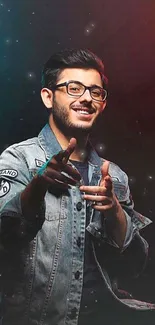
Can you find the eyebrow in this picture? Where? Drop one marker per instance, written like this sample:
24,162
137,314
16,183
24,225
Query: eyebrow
94,85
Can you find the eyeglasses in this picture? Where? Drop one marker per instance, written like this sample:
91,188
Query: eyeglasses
77,89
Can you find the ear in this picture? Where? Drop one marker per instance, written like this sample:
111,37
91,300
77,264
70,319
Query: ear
103,106
47,97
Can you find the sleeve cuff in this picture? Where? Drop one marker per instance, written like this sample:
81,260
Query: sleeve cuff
131,229
94,228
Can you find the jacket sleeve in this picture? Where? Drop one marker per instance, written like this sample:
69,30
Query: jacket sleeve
14,177
135,249
135,220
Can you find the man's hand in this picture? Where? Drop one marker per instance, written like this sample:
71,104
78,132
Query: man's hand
104,200
50,175
101,196
57,173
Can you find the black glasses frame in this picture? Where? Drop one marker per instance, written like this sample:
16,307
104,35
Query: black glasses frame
90,88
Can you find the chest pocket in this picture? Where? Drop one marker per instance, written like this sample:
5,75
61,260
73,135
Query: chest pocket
56,207
119,188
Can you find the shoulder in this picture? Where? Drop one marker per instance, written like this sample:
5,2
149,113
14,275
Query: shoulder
32,142
22,147
28,151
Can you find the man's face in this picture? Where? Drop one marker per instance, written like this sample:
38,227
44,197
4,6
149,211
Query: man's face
72,113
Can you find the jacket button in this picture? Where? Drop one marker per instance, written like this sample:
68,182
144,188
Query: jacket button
77,275
79,241
79,206
73,313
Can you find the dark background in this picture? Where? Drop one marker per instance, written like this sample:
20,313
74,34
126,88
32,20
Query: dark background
122,33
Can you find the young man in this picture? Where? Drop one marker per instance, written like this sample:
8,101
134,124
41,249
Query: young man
67,218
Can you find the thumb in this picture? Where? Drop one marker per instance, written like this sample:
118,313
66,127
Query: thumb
105,169
106,179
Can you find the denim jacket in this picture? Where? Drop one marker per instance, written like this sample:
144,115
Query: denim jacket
39,259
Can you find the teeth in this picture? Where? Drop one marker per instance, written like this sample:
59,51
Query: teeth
83,112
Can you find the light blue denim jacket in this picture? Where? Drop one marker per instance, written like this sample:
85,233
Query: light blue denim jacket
39,260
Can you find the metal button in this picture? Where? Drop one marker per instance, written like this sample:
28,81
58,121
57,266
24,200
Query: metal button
79,206
77,275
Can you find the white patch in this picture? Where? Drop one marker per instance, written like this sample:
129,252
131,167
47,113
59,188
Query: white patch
39,163
4,187
9,173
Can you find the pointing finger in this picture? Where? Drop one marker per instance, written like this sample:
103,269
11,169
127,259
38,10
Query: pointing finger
69,150
64,155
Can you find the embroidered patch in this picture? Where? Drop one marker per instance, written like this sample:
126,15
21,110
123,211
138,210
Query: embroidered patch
4,187
9,173
39,163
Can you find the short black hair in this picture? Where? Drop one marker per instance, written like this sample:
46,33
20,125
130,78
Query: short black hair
71,58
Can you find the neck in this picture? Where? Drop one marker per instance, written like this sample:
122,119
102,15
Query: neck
81,151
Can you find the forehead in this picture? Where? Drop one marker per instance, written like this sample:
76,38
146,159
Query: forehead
87,77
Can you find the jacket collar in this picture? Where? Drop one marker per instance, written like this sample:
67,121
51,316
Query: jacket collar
51,146
48,142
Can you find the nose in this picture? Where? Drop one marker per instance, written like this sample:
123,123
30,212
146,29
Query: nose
86,96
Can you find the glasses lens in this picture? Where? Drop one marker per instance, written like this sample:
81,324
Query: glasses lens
98,94
75,89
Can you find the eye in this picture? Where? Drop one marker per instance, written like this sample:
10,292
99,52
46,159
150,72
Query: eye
96,92
75,88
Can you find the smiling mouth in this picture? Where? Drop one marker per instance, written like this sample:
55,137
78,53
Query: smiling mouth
84,111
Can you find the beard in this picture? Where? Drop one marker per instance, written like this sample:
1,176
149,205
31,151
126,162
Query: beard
62,121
